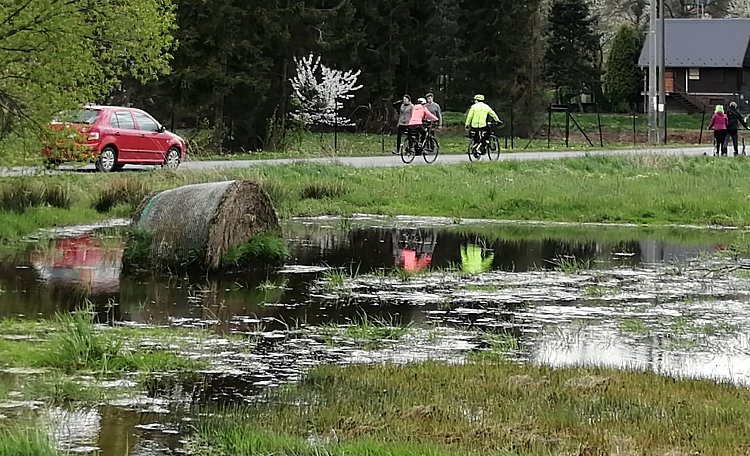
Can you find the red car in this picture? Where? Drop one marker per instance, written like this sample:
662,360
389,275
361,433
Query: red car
115,136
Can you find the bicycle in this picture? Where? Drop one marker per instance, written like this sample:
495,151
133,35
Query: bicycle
488,144
428,147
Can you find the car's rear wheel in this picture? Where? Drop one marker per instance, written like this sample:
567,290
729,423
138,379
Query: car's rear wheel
107,160
172,158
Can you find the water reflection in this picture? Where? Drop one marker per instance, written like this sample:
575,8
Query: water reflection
475,259
83,262
412,249
62,275
507,283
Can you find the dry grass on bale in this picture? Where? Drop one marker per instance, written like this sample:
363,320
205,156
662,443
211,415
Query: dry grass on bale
197,225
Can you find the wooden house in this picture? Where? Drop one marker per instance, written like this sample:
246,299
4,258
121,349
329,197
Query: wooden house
707,62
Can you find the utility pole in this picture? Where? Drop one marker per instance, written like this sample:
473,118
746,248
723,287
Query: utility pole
653,123
662,78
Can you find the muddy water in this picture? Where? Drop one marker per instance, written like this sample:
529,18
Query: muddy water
630,298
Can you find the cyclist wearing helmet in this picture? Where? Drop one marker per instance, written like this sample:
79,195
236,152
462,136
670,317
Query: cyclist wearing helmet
476,119
418,115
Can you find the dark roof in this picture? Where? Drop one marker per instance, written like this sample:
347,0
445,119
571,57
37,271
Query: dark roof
697,43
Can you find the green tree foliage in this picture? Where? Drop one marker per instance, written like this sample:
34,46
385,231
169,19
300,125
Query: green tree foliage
623,78
234,62
572,49
59,54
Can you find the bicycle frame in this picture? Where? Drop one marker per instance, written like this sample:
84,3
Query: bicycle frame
417,144
486,137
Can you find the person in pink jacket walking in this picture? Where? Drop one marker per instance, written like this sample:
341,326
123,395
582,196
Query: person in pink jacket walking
418,114
718,124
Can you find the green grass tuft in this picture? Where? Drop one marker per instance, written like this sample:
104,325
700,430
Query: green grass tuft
19,440
78,346
22,194
369,332
126,190
321,190
265,249
137,253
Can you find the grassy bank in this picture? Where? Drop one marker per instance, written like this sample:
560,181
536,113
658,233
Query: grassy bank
643,189
486,409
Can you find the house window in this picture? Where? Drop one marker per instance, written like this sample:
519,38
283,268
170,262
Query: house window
694,74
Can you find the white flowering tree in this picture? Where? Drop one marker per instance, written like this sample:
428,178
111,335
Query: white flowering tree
320,90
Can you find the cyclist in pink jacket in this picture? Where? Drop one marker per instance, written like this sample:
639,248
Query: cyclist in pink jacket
418,114
718,124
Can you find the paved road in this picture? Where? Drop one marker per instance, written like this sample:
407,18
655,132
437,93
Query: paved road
390,160
394,160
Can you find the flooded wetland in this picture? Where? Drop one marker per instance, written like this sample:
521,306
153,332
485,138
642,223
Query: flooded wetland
365,290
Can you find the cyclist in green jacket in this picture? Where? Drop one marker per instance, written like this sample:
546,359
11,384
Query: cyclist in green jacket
476,119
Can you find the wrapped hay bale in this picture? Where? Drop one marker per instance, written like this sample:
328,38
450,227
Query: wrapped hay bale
200,225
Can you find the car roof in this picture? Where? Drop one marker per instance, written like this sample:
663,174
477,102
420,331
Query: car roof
103,107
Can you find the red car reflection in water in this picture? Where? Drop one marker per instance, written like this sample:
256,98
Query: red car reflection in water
81,262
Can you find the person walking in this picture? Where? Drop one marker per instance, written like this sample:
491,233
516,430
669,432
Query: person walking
434,108
404,115
718,124
734,120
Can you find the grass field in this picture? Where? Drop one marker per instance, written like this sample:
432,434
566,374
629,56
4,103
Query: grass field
484,408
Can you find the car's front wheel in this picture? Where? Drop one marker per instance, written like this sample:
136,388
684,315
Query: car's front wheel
107,160
172,158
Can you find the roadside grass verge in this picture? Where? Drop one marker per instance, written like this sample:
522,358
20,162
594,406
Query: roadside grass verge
647,189
488,408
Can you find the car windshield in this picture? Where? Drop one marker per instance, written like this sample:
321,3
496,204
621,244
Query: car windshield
80,116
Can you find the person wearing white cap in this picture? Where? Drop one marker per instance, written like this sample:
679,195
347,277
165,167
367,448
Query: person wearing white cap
418,114
734,120
476,120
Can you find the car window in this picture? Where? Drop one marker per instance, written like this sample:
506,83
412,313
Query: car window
78,116
124,120
145,122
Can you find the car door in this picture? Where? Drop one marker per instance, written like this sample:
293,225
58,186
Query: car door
126,135
153,143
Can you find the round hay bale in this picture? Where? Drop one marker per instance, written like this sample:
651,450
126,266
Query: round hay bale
197,225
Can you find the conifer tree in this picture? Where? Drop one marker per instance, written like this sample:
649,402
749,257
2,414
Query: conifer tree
572,50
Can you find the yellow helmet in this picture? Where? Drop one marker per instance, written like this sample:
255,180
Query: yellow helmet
478,97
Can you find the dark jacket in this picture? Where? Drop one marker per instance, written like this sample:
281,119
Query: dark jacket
734,119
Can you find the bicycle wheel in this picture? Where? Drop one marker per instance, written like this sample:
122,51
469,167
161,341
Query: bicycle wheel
493,148
473,152
431,150
407,153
